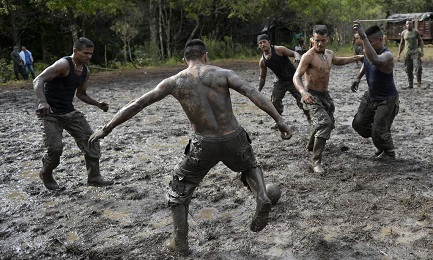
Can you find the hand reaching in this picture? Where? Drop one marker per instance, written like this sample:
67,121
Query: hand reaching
286,132
103,106
355,85
98,134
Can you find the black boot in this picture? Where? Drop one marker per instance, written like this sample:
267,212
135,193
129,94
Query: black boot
307,114
94,177
46,174
418,80
310,144
256,183
410,81
47,178
319,146
179,243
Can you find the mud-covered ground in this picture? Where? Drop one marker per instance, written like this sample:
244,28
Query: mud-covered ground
362,208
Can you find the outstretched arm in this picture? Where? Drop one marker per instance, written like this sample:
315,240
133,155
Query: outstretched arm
235,82
130,110
289,53
346,60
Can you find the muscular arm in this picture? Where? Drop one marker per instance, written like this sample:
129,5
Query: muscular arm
263,71
260,100
300,71
281,50
135,106
83,96
345,60
382,60
420,43
59,69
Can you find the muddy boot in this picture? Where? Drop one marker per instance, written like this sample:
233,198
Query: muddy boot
319,146
410,83
256,183
94,177
47,178
310,144
307,115
387,155
418,80
378,153
179,243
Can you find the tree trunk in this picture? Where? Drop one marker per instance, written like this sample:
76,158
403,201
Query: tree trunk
153,23
198,23
160,27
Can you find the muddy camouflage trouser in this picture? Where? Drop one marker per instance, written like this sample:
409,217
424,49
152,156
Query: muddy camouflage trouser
413,61
76,125
203,153
279,91
374,119
322,114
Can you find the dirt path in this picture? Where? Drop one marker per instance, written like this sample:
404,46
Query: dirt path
360,209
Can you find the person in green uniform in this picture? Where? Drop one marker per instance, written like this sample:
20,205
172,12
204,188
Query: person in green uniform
413,46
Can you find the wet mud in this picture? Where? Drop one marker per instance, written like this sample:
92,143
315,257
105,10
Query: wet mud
361,208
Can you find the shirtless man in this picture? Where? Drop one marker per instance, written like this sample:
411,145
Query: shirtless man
316,65
358,44
204,94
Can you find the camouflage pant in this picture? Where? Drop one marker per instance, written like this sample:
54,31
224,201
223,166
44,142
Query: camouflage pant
374,119
76,125
322,114
413,61
279,91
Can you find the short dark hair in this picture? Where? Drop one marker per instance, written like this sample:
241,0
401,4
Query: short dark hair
320,29
373,30
83,43
194,49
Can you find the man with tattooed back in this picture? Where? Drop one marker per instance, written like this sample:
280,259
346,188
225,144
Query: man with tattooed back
204,93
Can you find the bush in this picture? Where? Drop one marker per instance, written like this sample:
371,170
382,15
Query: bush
146,55
227,49
6,70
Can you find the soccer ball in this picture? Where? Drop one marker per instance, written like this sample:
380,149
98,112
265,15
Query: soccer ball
273,192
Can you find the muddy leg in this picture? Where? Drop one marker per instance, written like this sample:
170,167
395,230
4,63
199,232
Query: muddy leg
180,232
256,183
319,146
94,177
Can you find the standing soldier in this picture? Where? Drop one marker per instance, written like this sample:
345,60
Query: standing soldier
414,49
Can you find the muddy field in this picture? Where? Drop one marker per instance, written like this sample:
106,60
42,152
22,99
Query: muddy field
362,208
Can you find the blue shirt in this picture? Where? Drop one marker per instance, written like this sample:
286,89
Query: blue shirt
381,85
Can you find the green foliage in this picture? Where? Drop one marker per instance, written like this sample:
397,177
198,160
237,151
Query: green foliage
83,7
227,49
6,70
147,54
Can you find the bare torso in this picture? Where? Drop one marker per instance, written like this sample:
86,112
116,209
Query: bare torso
318,71
357,40
203,92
